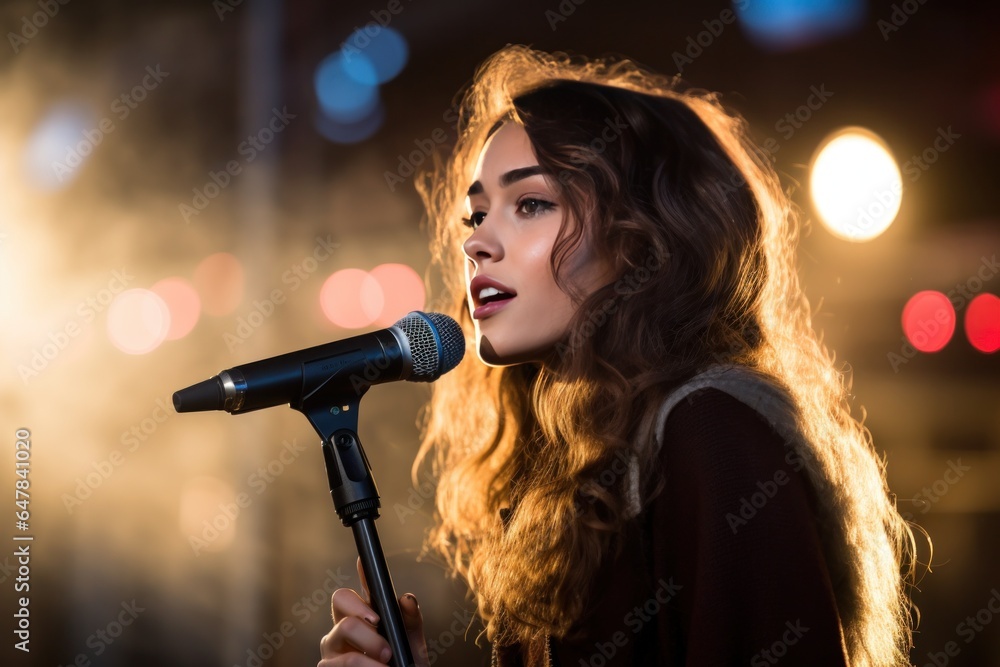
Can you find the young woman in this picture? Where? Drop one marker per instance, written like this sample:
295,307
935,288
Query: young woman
652,461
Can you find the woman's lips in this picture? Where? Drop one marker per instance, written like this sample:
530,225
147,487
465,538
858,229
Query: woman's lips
480,284
488,309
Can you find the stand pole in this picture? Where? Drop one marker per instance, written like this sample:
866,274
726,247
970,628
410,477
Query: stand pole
356,500
380,586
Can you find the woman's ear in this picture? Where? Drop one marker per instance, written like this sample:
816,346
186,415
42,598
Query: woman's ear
613,251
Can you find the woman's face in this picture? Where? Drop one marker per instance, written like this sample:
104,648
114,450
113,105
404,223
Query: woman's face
514,209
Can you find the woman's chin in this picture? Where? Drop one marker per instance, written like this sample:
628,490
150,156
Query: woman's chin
503,355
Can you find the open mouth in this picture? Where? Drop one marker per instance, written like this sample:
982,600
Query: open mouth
492,295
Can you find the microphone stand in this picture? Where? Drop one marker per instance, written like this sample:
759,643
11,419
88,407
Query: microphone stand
356,500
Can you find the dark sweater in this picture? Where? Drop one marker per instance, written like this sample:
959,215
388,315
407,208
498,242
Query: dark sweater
723,568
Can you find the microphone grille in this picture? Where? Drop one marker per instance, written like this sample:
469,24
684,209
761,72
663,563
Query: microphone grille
437,344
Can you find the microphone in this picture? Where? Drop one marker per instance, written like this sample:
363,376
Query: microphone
420,348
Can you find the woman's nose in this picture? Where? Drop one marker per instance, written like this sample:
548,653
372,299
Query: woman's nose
483,244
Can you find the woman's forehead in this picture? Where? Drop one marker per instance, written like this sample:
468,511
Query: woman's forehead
508,148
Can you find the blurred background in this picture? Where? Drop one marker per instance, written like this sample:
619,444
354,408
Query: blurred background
190,185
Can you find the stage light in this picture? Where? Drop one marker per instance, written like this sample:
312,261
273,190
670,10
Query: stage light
220,281
183,302
982,323
855,184
138,321
351,298
403,292
787,24
928,320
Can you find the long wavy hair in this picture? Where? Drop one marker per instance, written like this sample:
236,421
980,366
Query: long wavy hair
674,195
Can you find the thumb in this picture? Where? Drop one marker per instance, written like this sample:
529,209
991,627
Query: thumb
413,621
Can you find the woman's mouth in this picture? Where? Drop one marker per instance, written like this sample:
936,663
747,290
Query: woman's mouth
489,296
490,301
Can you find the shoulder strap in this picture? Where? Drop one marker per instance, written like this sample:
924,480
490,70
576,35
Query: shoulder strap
749,386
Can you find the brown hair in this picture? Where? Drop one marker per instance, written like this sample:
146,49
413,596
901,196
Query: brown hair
693,220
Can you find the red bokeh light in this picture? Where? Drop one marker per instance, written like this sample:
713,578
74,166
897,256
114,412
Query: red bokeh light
982,323
928,320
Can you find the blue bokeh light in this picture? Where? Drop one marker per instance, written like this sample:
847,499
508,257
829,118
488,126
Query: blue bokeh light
350,133
381,47
343,97
788,24
60,144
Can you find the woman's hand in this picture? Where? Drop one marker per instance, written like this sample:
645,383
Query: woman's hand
354,640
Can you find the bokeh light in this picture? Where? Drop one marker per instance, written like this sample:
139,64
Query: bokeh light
384,53
786,24
183,302
351,298
855,184
220,282
343,96
982,323
60,144
138,321
928,320
402,290
351,133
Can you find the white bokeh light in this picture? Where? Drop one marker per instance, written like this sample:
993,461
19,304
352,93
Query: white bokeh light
138,321
856,185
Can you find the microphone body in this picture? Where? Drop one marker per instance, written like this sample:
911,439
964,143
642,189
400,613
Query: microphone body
419,347
318,382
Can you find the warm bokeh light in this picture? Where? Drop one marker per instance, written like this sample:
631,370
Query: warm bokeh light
138,321
855,185
351,298
928,320
402,289
982,323
208,514
220,282
183,302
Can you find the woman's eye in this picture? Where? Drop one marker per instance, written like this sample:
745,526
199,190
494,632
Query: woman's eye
474,220
532,207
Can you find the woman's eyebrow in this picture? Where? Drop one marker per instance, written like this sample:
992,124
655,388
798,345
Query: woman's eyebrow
506,179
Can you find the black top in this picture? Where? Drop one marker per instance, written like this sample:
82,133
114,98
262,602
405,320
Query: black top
724,567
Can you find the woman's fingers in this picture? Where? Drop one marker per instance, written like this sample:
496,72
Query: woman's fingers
346,603
355,635
355,629
413,621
